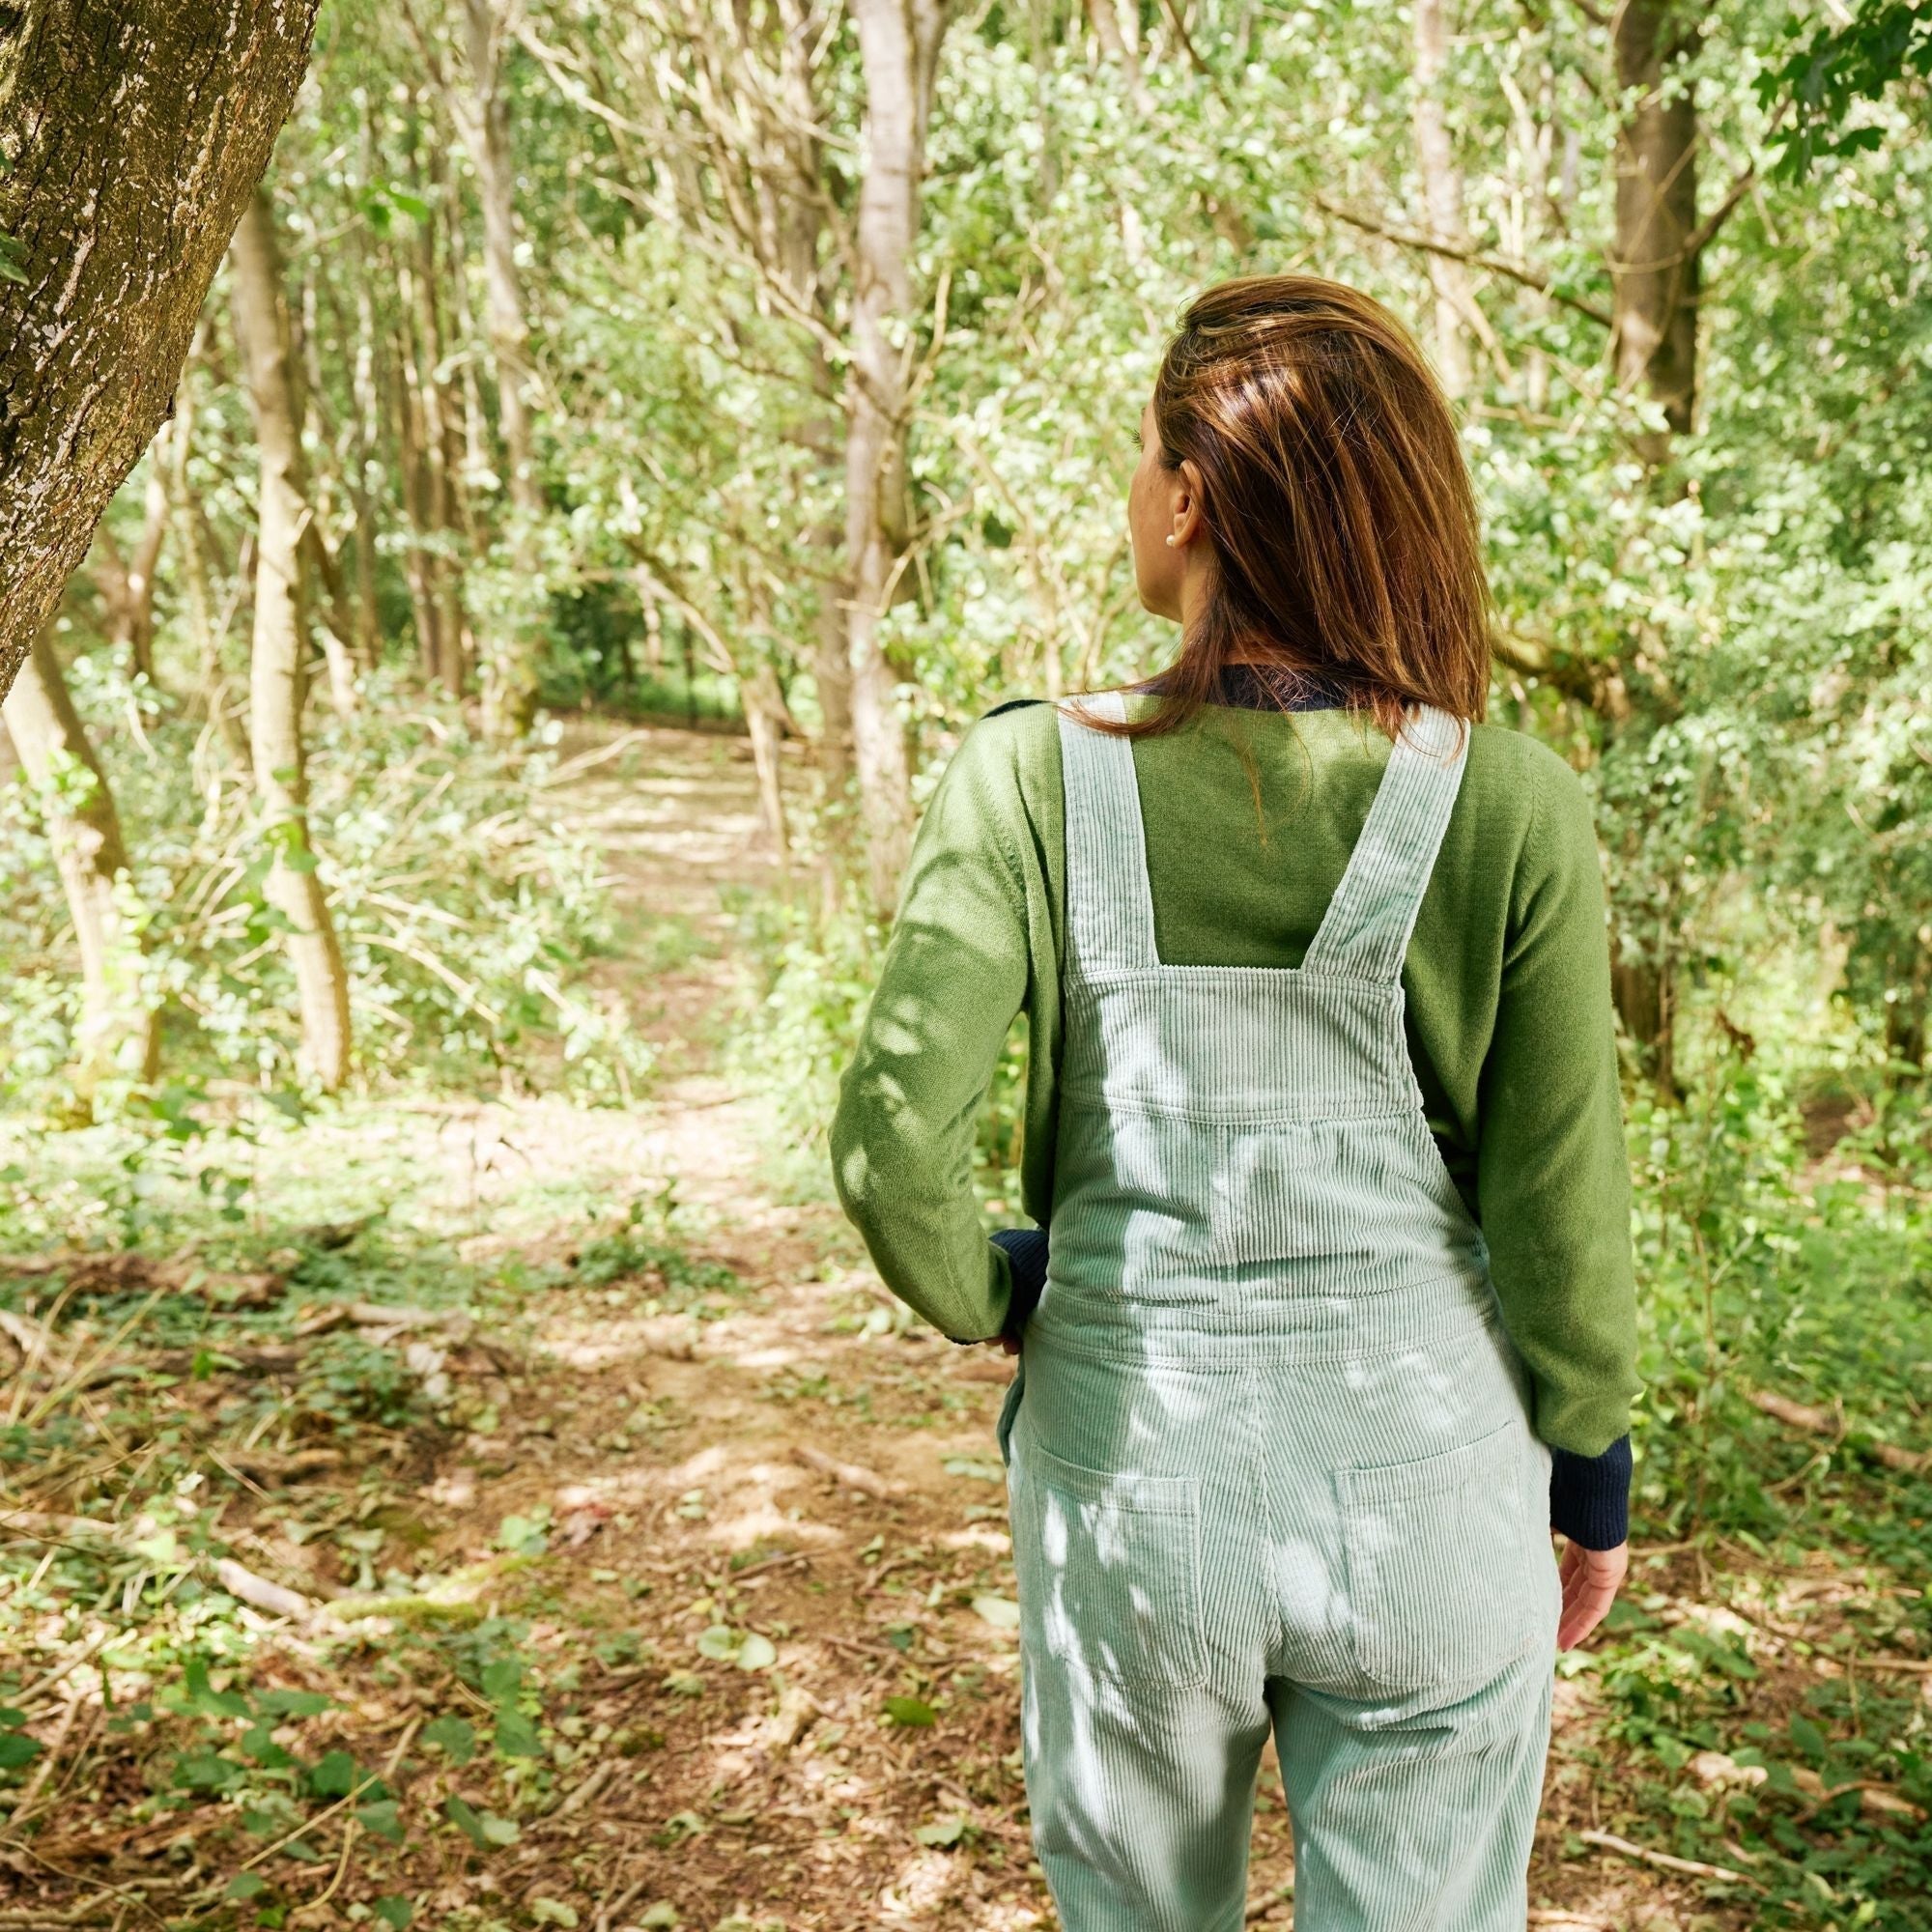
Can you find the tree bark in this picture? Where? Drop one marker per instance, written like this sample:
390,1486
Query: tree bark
764,708
1654,268
131,137
899,45
127,584
480,110
1442,195
119,1034
280,648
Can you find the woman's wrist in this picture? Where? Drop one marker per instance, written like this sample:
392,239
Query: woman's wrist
1589,1495
1026,1251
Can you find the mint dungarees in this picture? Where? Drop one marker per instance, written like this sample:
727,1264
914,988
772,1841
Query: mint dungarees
1269,1457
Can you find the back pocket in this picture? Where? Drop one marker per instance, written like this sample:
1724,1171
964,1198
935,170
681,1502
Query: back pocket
1112,1567
1442,1586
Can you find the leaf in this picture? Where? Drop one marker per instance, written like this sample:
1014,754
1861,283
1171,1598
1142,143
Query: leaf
979,1471
334,1775
258,1742
207,1771
483,1829
383,1819
945,1831
524,1535
756,1653
246,1885
198,1694
454,1736
293,1703
1806,1736
502,1680
1002,1613
914,1713
463,1815
393,1910
517,1736
554,1912
16,1748
500,1831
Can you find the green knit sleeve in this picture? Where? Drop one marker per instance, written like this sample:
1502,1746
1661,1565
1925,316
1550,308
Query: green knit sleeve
1552,1173
954,978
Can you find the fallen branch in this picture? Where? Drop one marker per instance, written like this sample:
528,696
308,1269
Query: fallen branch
274,1599
1879,1799
853,1475
1822,1422
1608,1841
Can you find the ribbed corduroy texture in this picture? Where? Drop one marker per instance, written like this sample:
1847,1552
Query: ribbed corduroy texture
1270,1454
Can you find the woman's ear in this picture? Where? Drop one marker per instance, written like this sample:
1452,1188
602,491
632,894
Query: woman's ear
1187,497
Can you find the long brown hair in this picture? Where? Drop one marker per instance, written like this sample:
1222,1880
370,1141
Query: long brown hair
1344,528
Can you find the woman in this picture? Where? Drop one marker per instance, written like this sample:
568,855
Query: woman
1330,1316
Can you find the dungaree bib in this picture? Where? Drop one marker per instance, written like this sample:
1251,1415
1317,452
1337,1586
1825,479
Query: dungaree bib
1268,1457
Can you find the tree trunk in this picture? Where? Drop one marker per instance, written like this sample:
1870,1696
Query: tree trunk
119,1035
899,45
1442,194
127,585
481,113
1654,269
130,139
764,709
280,648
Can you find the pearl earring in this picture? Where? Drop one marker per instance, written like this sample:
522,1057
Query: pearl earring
1170,543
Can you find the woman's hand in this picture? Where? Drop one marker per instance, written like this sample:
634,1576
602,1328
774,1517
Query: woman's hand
1591,1580
1007,1345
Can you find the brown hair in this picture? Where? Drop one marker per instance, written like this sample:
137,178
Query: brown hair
1334,494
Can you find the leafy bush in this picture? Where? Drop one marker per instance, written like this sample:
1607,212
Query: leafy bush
468,913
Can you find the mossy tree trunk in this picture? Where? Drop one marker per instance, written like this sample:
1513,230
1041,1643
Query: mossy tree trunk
130,136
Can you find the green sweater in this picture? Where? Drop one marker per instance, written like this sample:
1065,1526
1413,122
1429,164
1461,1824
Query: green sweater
1251,816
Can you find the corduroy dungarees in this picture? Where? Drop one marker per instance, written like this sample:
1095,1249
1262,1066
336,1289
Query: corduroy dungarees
1269,1455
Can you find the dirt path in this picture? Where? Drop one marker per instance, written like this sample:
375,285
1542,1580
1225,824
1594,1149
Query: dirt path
789,1602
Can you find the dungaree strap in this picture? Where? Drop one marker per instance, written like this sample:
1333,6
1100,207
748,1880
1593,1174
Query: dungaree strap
1365,932
1109,906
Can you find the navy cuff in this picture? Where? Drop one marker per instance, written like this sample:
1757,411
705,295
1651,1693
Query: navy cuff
1025,1250
1589,1495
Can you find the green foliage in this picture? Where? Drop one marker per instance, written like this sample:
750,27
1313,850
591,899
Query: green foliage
1885,42
467,915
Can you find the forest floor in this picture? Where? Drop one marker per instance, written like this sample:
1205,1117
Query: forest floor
532,1514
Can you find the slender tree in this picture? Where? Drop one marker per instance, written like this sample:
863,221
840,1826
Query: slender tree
280,646
1442,196
475,94
898,46
118,1033
130,138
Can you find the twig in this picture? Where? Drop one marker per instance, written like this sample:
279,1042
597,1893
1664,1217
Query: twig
1525,273
341,1872
1692,1867
134,1898
854,1475
785,1561
1822,1422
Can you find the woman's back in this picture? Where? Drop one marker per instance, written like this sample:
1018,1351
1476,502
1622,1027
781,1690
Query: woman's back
1251,816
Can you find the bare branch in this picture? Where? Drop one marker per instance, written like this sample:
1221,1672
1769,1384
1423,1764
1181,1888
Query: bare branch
1527,274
